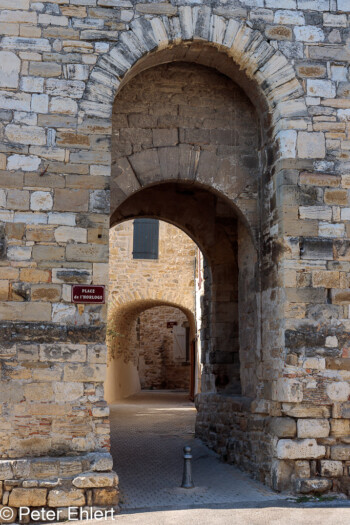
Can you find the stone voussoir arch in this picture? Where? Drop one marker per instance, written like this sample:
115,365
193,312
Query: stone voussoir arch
124,310
267,67
147,299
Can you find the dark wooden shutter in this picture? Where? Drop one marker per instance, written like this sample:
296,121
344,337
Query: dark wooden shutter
146,239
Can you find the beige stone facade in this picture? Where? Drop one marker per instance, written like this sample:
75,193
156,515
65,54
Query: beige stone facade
168,278
162,367
241,139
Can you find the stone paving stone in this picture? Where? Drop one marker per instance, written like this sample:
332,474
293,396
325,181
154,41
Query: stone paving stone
148,433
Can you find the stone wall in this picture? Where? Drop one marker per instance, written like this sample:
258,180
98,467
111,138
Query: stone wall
168,278
50,485
308,442
158,367
61,65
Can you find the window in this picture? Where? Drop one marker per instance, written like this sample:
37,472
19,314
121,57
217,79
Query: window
146,237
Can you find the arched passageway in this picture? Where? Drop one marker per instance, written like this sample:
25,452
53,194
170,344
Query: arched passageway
141,352
230,278
190,139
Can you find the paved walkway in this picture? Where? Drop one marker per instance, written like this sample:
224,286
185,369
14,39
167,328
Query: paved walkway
233,516
148,433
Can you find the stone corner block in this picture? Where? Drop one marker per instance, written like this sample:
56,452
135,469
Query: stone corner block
299,449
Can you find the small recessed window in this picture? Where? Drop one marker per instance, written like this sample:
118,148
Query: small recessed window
146,239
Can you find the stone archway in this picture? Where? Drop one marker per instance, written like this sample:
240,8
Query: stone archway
242,210
53,351
212,223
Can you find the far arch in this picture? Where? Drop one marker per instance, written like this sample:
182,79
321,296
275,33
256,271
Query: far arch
122,362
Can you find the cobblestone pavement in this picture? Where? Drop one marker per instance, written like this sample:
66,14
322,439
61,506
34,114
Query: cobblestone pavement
148,433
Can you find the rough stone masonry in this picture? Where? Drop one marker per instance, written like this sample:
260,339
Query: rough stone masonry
269,209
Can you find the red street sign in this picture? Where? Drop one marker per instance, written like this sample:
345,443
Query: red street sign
88,294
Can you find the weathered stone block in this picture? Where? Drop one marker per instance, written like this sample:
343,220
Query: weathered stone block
311,145
315,212
317,249
100,412
287,143
68,391
337,196
307,486
94,479
299,449
325,279
22,497
71,275
313,428
340,427
44,292
283,427
70,467
10,66
326,229
30,135
302,468
16,101
63,353
62,498
87,252
41,201
320,88
65,234
331,469
25,311
33,275
65,88
281,473
38,392
99,201
48,253
18,199
94,373
28,353
97,354
23,162
340,452
5,470
338,391
71,200
100,461
64,313
288,390
309,34
105,496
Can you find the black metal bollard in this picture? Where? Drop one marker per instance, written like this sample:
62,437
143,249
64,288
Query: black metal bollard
187,482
